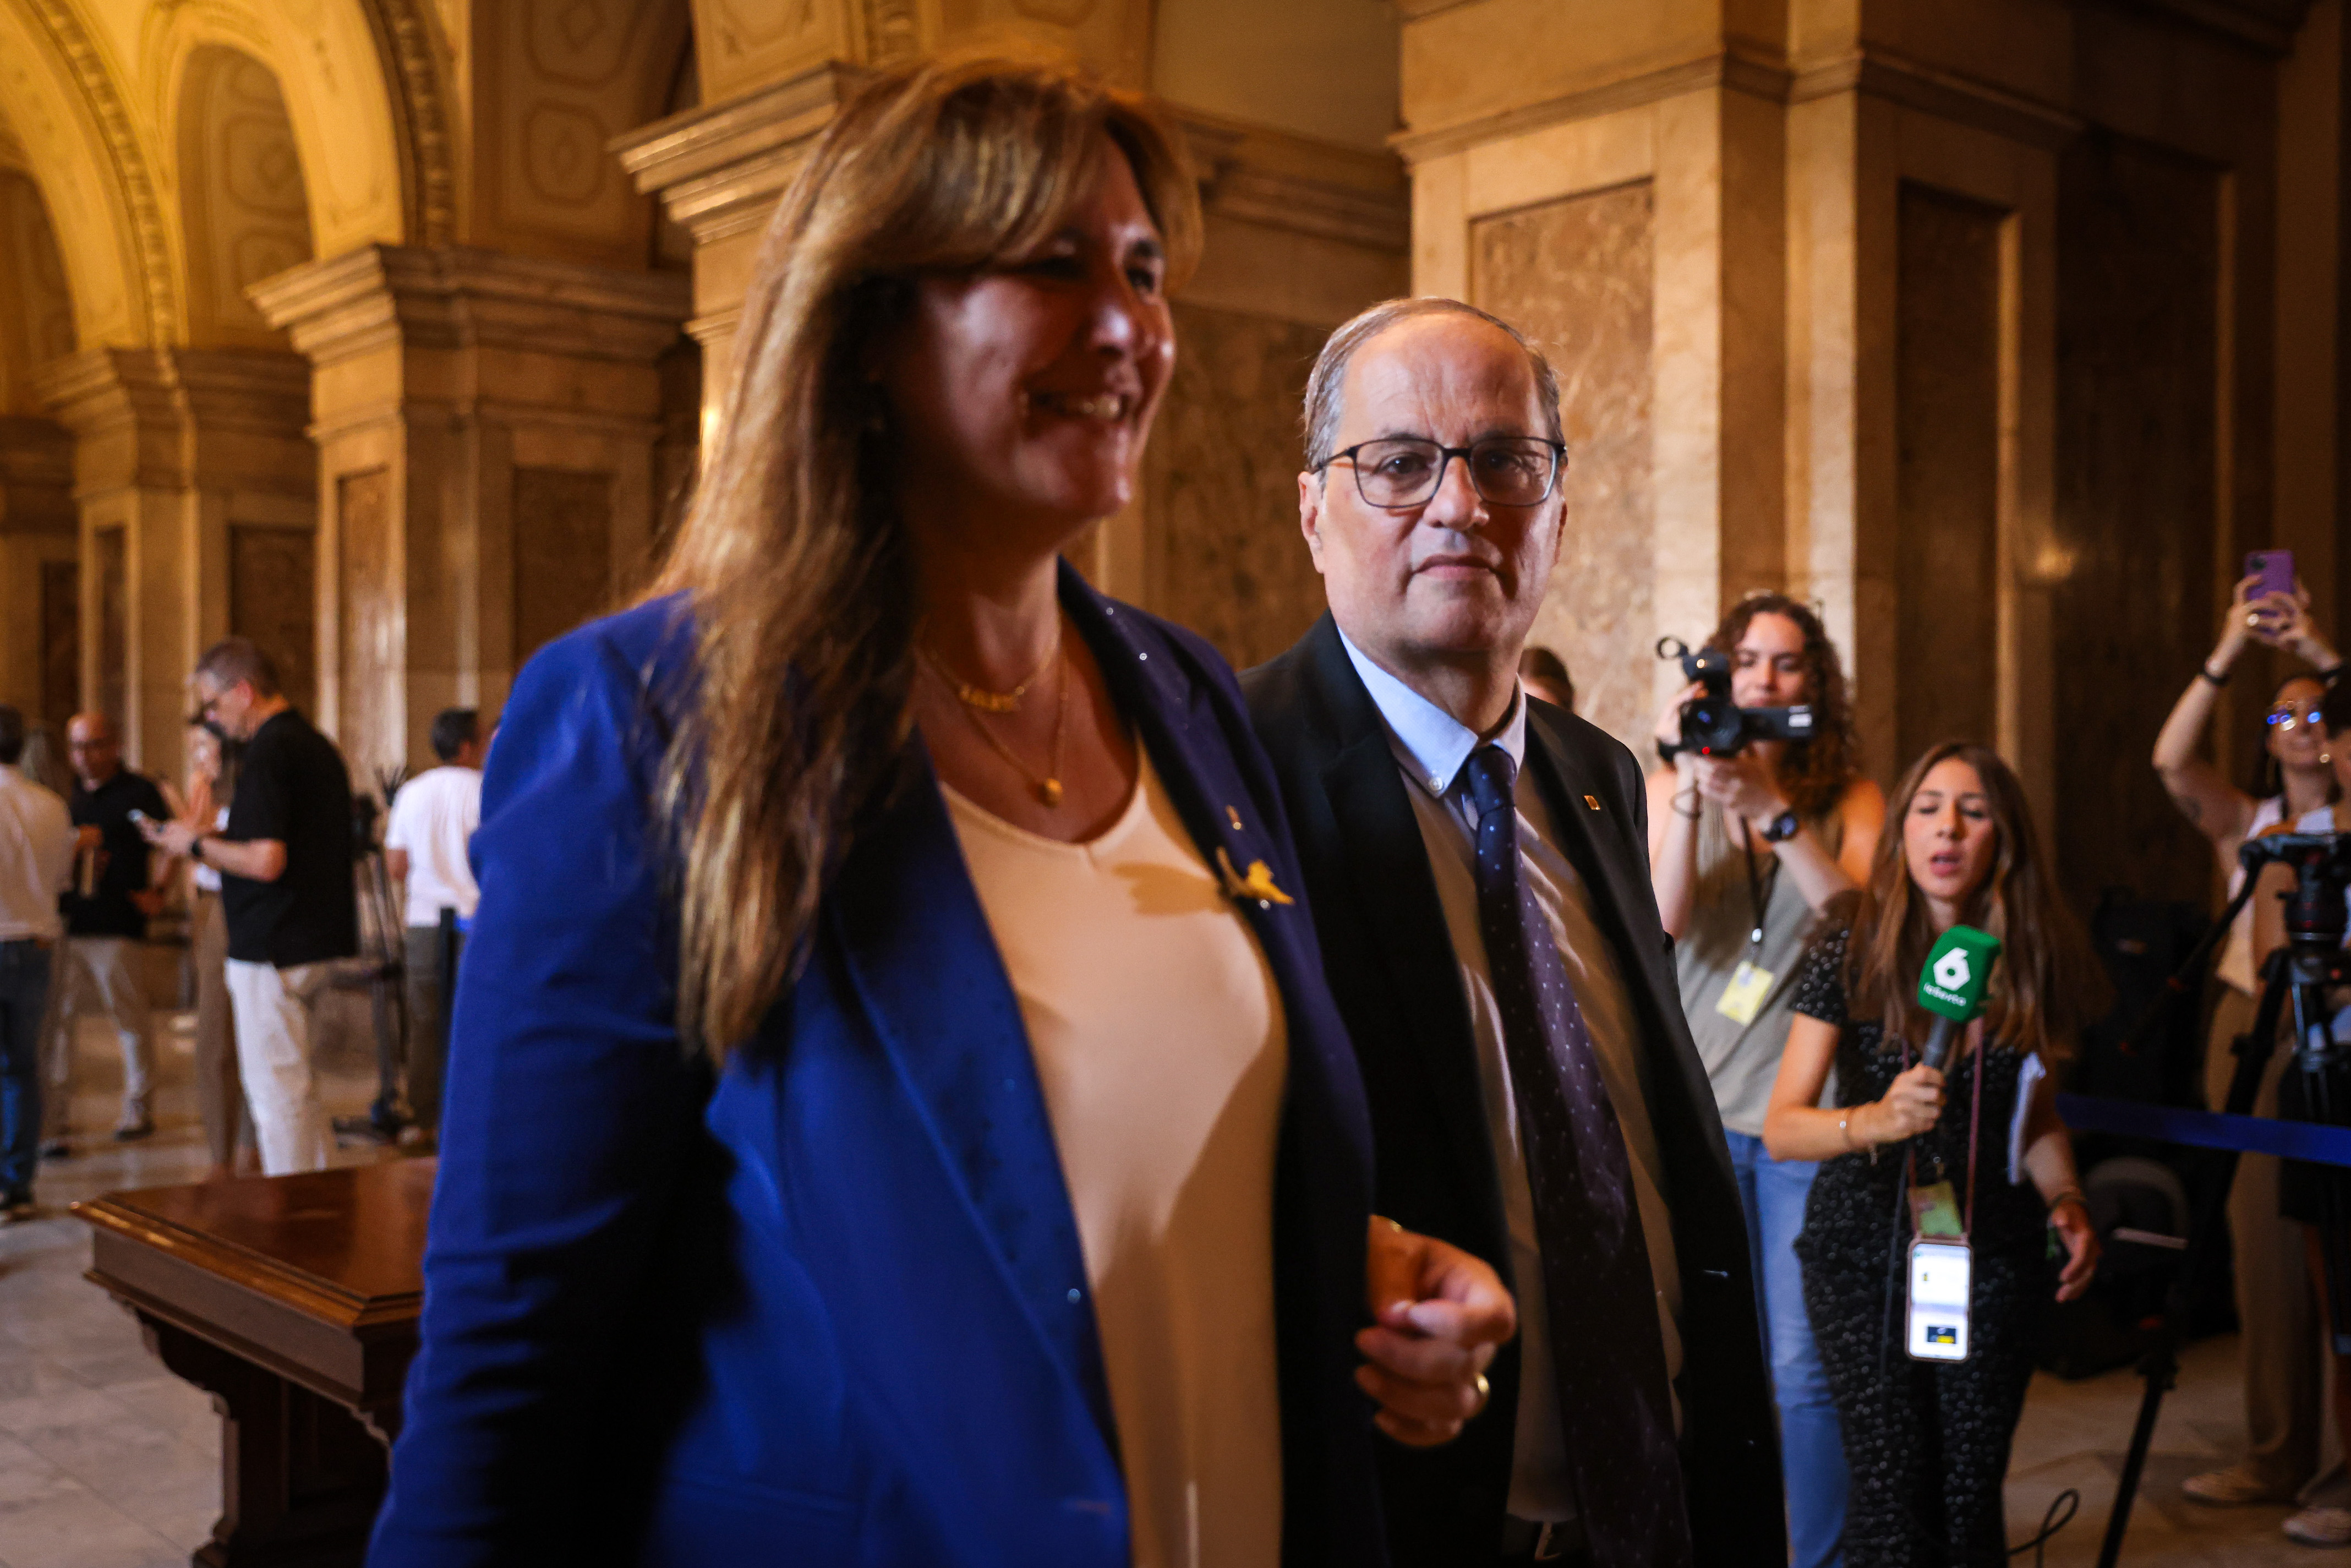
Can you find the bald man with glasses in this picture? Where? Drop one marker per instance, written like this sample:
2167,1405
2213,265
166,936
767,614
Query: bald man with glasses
1478,867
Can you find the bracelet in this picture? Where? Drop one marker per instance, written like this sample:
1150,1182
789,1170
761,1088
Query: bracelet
1693,813
2206,671
196,849
2071,1194
1844,1131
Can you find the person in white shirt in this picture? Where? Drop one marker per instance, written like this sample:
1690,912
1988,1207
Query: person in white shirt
37,855
424,845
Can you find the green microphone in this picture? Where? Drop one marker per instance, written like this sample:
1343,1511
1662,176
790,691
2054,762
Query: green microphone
1952,984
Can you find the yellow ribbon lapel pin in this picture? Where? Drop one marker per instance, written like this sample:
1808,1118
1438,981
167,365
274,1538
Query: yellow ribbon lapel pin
1257,884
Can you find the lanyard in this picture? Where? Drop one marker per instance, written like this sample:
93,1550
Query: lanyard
1759,888
1975,1125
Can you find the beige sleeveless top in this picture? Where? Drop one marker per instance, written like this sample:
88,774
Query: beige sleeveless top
1160,1041
1742,1059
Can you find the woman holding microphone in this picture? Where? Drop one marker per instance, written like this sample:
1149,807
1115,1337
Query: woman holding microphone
1927,1443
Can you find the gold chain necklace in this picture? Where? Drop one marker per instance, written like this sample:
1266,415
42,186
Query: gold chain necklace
1047,785
980,696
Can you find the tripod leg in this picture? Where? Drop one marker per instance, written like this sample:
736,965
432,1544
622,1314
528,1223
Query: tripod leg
2160,1366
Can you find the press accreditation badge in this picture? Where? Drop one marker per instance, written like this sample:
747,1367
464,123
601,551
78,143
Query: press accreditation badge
1744,996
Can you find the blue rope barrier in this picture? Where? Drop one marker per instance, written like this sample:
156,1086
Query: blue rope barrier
2208,1129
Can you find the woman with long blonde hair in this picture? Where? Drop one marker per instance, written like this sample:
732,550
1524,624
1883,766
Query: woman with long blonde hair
895,1113
1927,1443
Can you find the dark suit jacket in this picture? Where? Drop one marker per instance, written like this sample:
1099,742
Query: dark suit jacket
1392,967
827,1306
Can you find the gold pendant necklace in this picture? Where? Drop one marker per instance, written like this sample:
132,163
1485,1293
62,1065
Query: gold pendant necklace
1048,785
981,698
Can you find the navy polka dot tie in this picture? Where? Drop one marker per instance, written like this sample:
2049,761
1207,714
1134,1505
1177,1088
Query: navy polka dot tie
1603,1306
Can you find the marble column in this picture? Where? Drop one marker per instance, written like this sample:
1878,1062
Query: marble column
486,428
40,641
175,452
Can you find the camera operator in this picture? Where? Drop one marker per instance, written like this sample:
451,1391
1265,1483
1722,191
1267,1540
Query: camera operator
1745,850
285,861
2279,1342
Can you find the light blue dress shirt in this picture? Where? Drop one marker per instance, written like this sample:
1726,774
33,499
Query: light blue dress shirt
1430,747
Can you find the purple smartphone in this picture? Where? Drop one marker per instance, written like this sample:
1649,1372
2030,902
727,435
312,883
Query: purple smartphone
2275,570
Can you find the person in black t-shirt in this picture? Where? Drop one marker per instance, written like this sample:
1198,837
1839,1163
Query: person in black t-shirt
285,861
106,910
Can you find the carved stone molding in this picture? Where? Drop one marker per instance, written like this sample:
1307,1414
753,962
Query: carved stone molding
1733,69
892,32
168,418
95,78
1290,182
718,170
456,297
404,35
2266,26
1946,94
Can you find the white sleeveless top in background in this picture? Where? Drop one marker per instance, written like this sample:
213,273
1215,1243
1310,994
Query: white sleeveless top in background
1159,1037
2236,966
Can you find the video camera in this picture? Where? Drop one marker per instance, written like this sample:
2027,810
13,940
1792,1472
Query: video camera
1712,725
2316,913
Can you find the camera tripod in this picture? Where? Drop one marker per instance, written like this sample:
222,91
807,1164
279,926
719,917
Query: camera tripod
382,969
2295,979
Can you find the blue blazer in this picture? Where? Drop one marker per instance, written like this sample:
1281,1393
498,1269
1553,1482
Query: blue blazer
827,1306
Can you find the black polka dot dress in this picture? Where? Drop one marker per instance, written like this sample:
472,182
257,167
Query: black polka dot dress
1927,1443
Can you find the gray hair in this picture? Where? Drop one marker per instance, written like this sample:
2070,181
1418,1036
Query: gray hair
1323,387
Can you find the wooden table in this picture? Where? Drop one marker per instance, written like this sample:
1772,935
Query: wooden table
293,1301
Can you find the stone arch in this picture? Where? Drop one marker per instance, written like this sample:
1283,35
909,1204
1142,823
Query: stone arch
92,171
36,313
245,207
353,95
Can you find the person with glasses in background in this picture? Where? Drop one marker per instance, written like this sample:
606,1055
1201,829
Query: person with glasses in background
1477,866
99,966
2276,1309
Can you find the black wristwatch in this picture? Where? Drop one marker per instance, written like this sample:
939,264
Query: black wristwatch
196,849
1782,828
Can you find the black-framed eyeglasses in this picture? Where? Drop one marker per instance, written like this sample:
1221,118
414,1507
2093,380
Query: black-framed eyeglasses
1399,472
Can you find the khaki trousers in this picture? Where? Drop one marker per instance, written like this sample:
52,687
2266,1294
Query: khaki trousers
220,1087
2276,1309
276,1010
100,974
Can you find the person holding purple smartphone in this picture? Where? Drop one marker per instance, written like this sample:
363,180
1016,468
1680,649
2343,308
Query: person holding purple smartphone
2274,1303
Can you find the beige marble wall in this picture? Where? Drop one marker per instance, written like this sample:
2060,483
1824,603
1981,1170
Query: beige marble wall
1576,275
1226,556
2138,283
368,620
1946,412
273,575
38,532
562,553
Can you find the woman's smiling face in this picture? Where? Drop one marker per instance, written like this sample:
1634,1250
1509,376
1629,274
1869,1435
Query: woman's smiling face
1023,392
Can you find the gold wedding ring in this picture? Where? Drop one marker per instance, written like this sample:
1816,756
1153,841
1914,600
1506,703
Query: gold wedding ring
1485,1393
